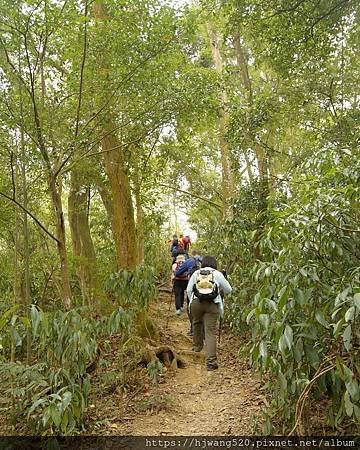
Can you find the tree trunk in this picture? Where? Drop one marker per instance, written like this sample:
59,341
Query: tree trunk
140,232
259,151
123,217
83,247
260,154
123,213
55,192
227,174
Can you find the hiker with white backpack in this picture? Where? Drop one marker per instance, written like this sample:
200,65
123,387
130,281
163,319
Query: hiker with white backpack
204,290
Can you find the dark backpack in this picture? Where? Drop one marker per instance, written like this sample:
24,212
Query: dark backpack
205,287
174,247
195,267
174,250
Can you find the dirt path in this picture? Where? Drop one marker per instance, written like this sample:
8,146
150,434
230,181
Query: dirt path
187,401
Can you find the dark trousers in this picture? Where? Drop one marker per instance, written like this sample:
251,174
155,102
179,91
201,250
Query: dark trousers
179,292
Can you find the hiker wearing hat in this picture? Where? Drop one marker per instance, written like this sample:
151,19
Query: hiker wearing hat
179,282
204,292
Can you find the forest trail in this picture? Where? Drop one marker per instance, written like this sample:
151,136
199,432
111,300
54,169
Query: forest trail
189,400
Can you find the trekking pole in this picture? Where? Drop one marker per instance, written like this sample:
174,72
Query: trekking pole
220,328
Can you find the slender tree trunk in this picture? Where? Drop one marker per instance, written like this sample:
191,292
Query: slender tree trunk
260,154
227,174
26,250
140,232
243,66
54,184
55,192
17,271
248,167
83,247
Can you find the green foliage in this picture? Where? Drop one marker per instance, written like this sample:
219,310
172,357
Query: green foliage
132,289
52,395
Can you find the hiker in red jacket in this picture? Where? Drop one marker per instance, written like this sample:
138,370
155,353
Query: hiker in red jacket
186,243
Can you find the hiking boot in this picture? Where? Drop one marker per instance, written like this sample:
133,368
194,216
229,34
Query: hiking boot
178,312
212,366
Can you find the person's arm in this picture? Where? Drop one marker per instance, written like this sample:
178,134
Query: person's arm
224,285
190,286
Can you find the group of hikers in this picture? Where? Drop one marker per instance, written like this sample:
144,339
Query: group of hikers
198,279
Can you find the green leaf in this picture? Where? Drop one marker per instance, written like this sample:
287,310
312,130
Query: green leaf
338,327
357,412
349,407
347,337
350,313
353,389
55,415
263,349
319,316
357,300
288,333
282,343
283,296
35,405
64,421
312,355
66,399
249,316
342,296
298,350
299,296
264,320
283,383
272,304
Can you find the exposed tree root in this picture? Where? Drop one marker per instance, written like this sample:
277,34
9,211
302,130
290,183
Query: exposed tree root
165,354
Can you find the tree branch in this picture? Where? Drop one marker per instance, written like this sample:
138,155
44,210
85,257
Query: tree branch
31,215
82,72
192,195
348,230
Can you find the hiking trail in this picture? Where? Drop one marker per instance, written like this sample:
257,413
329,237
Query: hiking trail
186,401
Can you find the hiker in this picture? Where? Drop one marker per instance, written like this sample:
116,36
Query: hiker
186,242
204,291
190,266
179,282
174,246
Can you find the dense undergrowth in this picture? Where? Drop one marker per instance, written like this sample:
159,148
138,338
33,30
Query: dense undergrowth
47,384
300,302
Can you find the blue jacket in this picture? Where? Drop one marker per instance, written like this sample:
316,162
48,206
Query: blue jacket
187,266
